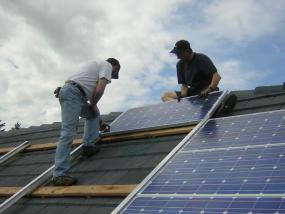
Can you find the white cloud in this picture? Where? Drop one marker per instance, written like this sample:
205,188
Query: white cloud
235,76
51,37
243,20
42,42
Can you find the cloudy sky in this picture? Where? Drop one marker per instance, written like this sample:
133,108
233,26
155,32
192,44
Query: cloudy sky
43,41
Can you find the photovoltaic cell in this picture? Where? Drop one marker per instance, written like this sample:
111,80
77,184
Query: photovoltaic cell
245,130
238,171
172,205
188,110
231,165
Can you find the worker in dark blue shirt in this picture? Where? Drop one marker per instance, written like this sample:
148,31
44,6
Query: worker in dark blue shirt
196,73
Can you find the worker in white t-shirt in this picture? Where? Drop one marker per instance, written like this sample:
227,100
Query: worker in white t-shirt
79,97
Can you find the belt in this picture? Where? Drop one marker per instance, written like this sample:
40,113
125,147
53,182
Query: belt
77,86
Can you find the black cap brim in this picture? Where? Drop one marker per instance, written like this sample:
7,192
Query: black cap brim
174,51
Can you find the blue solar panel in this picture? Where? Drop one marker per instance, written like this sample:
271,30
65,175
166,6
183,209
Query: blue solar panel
258,170
213,205
224,157
231,165
255,129
188,110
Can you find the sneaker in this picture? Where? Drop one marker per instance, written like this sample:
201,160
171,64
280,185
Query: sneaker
88,151
64,180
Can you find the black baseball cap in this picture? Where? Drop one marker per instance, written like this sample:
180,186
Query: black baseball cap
181,45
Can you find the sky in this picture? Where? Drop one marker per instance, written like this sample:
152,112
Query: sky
42,42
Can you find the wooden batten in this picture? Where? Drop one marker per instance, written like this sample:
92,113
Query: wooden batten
149,134
114,138
74,191
39,147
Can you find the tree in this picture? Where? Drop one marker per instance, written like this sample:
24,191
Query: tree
2,126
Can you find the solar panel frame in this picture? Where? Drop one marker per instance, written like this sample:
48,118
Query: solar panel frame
139,187
156,127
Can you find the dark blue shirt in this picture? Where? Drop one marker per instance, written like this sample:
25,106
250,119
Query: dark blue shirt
196,74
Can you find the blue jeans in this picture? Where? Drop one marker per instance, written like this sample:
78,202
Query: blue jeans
73,104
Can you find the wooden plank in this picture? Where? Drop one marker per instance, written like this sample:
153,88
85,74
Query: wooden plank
48,146
75,191
39,147
149,134
115,138
8,191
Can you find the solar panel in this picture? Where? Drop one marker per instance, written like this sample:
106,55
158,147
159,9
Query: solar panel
188,111
259,170
186,205
244,130
231,165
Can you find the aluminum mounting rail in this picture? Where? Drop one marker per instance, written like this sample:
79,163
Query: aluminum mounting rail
14,151
34,184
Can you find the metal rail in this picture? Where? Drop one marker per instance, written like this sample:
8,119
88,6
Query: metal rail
14,151
127,200
30,187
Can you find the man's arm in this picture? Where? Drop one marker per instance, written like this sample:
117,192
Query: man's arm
98,91
184,90
214,83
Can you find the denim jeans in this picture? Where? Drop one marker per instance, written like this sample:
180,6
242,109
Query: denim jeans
73,104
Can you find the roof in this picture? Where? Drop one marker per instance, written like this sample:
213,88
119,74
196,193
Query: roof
263,98
122,162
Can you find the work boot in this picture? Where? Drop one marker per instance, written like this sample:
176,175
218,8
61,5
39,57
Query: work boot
88,151
226,107
64,180
229,104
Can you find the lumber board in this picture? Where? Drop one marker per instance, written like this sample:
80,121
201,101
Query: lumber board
39,147
111,139
74,191
149,134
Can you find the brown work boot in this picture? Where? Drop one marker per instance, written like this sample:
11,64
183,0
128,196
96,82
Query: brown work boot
227,106
64,180
88,151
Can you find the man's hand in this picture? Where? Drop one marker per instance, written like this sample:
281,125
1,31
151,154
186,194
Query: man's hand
179,98
205,92
95,110
104,127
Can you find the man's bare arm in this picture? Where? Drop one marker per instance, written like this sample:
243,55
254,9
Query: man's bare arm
184,90
215,80
214,83
98,91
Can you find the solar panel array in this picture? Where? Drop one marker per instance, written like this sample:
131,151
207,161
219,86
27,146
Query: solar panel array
188,110
231,165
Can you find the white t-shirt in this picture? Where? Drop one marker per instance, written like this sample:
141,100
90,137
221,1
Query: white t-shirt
89,75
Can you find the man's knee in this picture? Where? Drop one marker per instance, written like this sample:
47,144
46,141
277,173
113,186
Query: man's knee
66,136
